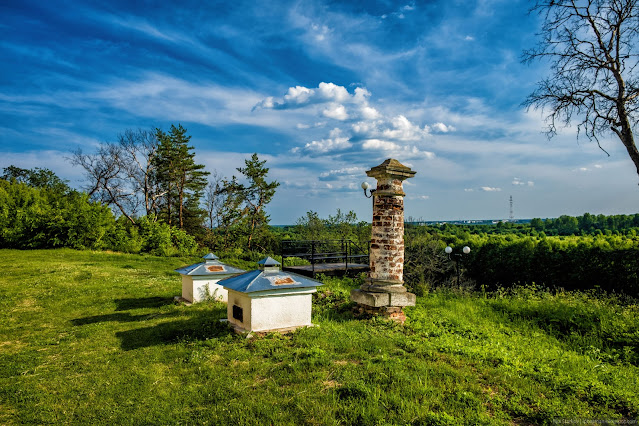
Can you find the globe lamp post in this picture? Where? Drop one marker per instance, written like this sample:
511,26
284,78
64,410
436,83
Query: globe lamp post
457,258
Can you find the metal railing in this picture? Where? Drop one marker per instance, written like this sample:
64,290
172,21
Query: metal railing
325,251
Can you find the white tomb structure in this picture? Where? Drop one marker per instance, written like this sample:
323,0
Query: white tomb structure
269,299
200,281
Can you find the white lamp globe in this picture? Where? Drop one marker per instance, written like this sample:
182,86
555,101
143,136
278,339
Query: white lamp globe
365,186
466,249
448,250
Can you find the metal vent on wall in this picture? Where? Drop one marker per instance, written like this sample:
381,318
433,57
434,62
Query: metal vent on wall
238,313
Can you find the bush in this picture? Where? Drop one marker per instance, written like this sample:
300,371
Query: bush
45,218
609,263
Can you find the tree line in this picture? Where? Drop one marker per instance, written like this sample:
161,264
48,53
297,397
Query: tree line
153,174
143,192
602,261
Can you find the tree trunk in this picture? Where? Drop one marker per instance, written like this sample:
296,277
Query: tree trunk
626,136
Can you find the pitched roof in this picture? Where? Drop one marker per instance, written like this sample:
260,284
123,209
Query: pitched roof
211,267
254,281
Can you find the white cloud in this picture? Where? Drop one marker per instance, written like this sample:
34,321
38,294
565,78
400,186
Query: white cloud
336,142
300,96
344,171
336,111
332,92
361,95
395,150
490,189
394,135
442,128
518,182
379,145
469,190
369,113
403,130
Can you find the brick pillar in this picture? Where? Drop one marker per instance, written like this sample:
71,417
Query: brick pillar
384,291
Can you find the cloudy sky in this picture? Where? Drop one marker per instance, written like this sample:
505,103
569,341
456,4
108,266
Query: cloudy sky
322,90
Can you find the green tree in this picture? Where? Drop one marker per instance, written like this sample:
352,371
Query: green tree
44,217
311,227
230,197
256,195
537,224
180,179
37,178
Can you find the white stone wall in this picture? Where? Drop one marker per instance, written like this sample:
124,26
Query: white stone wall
197,290
271,312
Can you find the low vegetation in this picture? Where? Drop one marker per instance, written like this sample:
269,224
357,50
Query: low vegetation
94,337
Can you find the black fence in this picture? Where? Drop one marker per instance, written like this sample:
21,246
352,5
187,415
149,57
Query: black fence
345,252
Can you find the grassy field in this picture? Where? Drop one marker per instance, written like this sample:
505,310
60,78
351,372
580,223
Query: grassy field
95,338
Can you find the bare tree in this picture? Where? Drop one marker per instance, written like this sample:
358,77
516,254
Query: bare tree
137,150
104,172
122,174
214,200
592,49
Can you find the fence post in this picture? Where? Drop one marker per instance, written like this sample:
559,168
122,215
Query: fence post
346,252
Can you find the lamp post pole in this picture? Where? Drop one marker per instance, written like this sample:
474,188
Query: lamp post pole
457,258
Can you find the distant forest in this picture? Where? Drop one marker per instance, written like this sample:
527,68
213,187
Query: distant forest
587,224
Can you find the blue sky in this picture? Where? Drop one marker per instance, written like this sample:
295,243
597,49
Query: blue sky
322,90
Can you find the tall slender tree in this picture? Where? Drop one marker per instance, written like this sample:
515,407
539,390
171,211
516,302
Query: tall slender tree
257,194
180,179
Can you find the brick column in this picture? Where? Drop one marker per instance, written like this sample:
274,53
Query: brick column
384,291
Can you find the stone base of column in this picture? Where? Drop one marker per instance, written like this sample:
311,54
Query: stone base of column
394,313
378,300
386,300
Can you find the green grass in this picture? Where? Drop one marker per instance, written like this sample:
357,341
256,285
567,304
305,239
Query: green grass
95,338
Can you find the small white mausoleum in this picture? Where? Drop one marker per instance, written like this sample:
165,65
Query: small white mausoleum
269,299
200,281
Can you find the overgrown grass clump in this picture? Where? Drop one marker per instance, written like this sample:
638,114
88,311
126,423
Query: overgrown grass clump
95,338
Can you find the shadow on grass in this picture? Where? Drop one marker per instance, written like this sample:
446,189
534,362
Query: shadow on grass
119,317
141,303
202,325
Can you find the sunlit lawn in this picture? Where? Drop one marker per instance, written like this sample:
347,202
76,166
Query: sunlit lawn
95,338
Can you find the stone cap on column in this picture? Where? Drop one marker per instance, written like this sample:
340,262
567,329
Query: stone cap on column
391,169
387,172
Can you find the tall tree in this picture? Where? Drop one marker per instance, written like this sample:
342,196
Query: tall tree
257,194
180,179
231,194
241,210
592,49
